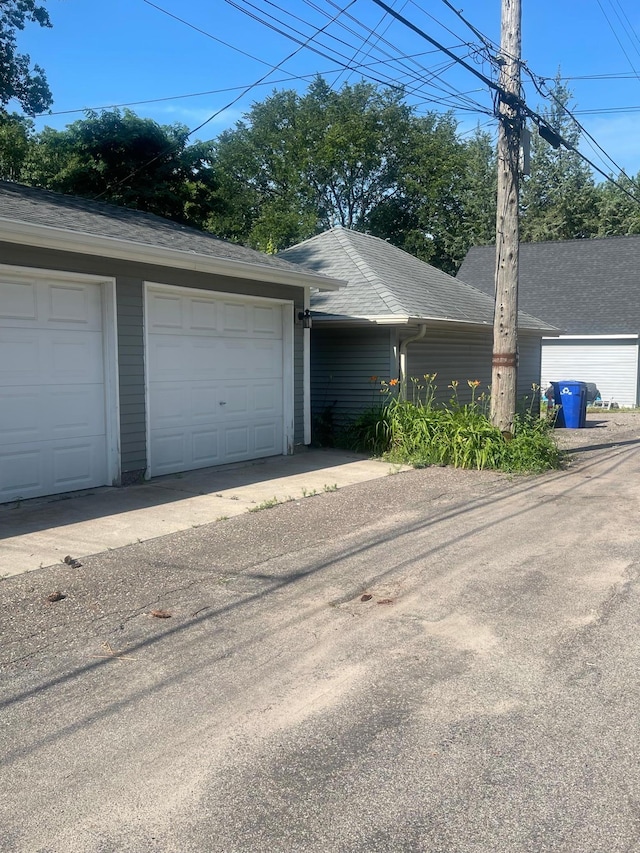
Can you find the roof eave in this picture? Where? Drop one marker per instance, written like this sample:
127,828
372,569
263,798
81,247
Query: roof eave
406,320
61,239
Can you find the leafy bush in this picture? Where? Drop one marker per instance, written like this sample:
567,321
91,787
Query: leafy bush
418,432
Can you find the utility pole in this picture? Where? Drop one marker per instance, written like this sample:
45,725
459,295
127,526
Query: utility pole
504,371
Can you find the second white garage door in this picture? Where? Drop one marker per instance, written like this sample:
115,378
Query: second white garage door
215,379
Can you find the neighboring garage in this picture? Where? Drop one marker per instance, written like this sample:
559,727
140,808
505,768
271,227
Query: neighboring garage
132,346
610,362
589,290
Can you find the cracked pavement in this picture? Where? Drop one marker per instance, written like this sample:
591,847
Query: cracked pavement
482,697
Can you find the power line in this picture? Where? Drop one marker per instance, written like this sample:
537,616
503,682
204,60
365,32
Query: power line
230,104
628,58
543,125
387,82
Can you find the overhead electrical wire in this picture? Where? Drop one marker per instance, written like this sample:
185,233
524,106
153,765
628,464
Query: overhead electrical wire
348,63
622,48
171,148
341,57
514,101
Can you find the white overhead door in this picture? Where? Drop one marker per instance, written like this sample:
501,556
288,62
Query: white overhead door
609,362
52,386
215,379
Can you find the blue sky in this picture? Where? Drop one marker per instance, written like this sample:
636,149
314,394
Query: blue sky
127,51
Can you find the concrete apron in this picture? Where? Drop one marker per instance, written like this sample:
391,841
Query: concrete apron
43,531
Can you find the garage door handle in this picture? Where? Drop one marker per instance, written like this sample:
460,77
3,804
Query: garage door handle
223,402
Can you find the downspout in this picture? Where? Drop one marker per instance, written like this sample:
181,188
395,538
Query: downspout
306,370
403,357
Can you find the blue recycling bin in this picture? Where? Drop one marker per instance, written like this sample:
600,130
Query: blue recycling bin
571,398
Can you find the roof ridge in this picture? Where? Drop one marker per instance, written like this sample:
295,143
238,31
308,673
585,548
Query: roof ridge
582,240
381,289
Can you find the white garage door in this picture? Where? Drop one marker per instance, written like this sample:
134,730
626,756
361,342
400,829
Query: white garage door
215,378
609,362
52,386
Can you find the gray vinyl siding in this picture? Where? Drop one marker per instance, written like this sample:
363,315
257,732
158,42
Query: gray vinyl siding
466,356
342,364
612,364
529,366
453,356
131,374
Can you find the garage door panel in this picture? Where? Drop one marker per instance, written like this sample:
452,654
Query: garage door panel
167,408
76,411
267,398
235,400
205,402
168,451
267,358
235,318
165,312
79,360
21,473
52,387
34,357
204,315
20,358
265,437
29,471
42,413
18,300
20,415
205,446
70,304
236,441
215,384
267,321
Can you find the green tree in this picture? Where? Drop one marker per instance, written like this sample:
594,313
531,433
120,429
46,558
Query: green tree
15,141
619,214
18,79
358,158
297,165
479,191
559,199
127,160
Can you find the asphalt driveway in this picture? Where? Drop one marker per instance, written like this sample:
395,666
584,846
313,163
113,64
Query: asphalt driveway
432,661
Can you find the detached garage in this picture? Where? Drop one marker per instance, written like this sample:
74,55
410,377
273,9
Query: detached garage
589,290
131,346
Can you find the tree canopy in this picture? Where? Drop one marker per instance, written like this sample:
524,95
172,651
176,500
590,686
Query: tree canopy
19,80
559,200
127,160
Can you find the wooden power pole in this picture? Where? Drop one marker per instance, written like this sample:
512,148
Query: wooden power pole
504,372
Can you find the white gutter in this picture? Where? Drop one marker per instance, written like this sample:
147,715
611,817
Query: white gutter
442,322
403,354
61,239
597,337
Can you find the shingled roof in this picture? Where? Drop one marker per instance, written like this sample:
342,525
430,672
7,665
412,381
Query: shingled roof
33,206
588,287
385,282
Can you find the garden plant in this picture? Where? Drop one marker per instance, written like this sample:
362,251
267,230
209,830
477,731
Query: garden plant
408,426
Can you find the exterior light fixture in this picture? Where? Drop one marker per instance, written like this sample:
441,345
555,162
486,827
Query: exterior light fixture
305,318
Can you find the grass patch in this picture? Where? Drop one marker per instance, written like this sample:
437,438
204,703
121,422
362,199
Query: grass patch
420,432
